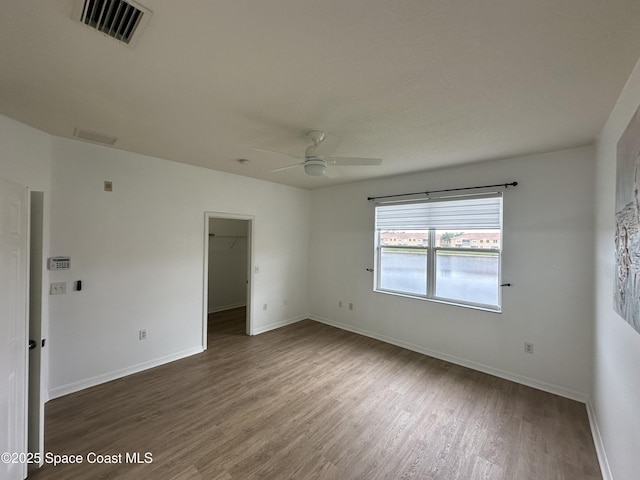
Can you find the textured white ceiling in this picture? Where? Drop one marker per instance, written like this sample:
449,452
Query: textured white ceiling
419,83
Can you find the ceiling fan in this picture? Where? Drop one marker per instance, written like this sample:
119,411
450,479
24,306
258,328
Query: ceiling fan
316,160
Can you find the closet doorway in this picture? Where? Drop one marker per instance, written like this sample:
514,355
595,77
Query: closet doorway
227,292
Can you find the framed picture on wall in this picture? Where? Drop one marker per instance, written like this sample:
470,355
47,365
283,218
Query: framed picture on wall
627,231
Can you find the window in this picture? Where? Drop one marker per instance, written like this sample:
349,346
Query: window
437,255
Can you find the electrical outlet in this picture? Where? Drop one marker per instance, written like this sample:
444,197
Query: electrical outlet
264,307
350,306
528,347
108,186
142,334
340,304
58,288
285,303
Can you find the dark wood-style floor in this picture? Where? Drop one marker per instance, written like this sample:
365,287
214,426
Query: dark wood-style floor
309,401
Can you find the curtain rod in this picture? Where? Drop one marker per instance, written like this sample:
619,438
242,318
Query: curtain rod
506,185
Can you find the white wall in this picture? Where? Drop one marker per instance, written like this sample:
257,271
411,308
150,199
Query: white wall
228,267
547,258
139,252
25,155
615,394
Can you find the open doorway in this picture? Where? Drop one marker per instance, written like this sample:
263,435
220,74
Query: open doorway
35,432
227,292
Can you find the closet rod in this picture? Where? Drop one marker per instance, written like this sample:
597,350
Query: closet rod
506,185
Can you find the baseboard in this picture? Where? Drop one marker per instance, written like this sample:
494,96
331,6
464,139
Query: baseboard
599,444
274,325
107,377
222,308
530,382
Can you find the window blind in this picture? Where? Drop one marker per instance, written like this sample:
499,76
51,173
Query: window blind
464,213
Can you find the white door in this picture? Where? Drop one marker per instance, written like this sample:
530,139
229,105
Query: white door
13,327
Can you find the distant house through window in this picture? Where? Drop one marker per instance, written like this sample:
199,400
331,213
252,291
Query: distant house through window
446,250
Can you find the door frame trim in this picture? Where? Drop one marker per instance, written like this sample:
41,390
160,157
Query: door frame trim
37,296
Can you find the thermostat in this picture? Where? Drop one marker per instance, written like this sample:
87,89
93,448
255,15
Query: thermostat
59,263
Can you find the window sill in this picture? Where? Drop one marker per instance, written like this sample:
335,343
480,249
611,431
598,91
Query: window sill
484,308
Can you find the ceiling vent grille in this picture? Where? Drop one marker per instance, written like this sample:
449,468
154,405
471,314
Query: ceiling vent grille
94,137
118,19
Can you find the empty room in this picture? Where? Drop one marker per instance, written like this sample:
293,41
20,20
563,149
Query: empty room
319,240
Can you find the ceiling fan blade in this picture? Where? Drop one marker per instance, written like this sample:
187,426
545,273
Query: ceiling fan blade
331,172
286,167
354,161
276,152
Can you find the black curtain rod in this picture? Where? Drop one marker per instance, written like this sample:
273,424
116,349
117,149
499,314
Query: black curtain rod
506,185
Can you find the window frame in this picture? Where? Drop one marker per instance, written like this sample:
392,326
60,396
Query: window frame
431,253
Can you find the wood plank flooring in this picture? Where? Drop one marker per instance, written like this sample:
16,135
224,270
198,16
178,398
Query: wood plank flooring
309,401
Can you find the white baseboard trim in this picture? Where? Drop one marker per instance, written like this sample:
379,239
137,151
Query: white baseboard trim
274,325
222,308
123,372
603,460
530,382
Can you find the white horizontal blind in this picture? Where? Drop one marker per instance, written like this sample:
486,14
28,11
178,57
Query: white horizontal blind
469,212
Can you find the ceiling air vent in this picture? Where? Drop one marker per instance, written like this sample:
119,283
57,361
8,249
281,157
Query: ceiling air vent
122,20
94,137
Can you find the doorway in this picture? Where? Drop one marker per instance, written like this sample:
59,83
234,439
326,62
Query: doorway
35,433
228,267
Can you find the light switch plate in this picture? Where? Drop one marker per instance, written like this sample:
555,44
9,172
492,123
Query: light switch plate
58,288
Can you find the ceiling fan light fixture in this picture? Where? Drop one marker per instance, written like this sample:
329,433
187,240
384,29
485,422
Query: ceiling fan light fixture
315,167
